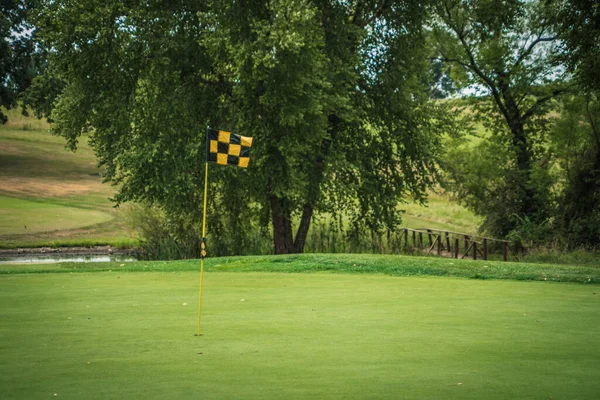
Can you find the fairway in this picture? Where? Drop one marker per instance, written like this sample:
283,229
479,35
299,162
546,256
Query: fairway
19,216
288,335
57,194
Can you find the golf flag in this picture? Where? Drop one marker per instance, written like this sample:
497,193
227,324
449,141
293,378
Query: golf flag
224,148
227,148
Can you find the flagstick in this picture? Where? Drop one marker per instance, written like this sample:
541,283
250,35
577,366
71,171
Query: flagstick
203,246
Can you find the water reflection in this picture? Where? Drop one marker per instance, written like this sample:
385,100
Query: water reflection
58,258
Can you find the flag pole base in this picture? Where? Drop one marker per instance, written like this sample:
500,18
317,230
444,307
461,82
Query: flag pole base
202,334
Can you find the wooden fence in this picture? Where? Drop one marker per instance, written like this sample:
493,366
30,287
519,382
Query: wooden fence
454,244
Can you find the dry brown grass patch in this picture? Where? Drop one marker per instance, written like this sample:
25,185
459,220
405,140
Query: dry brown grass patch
26,186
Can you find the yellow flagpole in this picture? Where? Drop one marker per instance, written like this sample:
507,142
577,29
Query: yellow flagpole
203,250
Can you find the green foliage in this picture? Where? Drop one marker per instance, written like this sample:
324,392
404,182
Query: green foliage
167,237
157,241
334,95
41,94
485,179
20,57
557,254
578,26
508,52
576,142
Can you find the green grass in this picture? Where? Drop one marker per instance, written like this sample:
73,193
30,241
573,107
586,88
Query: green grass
56,193
440,213
24,216
341,263
118,334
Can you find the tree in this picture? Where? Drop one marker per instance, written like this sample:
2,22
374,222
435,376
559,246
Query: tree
507,52
19,59
576,136
332,93
576,142
578,25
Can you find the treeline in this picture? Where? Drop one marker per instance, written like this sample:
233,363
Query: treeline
535,176
344,100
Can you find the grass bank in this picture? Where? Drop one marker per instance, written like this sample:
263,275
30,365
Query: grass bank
343,264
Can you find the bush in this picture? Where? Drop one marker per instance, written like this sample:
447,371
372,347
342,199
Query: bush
172,237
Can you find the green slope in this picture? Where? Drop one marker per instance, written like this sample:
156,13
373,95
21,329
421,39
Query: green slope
56,193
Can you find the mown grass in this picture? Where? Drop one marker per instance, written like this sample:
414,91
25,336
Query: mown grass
57,194
111,233
24,216
267,335
341,263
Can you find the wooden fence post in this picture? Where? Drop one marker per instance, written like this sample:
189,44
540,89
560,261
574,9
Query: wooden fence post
456,248
439,245
448,242
420,239
474,250
429,234
414,239
484,248
505,251
405,237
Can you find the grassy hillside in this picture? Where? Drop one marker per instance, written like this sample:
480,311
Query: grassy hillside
49,195
441,212
271,335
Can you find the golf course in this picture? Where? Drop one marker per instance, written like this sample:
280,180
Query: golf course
309,326
298,200
49,195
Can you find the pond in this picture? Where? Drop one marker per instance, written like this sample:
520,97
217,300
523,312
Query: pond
59,258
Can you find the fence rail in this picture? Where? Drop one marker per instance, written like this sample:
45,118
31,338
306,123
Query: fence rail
448,243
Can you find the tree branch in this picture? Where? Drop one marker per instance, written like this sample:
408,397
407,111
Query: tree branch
446,59
377,12
362,23
529,49
532,110
472,65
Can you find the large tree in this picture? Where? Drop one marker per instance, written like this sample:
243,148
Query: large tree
576,136
578,25
576,143
20,60
333,93
507,51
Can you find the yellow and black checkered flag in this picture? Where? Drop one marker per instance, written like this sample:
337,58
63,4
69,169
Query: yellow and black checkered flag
227,148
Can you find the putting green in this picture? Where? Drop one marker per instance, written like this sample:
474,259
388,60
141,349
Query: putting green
295,336
19,216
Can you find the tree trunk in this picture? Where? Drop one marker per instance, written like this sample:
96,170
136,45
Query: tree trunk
282,226
300,241
283,238
515,121
519,141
